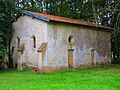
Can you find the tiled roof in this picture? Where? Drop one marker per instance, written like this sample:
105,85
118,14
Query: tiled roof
48,18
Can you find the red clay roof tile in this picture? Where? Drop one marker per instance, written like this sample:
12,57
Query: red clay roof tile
69,20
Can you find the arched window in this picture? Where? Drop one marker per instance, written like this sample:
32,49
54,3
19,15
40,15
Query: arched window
70,39
18,42
13,49
33,42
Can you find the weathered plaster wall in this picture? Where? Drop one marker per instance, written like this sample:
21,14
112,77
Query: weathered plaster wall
85,40
55,35
25,28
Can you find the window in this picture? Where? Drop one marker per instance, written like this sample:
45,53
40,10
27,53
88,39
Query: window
18,42
13,50
33,42
70,39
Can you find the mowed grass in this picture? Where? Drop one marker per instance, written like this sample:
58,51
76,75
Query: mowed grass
100,78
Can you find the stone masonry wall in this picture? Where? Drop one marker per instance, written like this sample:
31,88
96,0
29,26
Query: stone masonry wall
91,46
85,40
25,28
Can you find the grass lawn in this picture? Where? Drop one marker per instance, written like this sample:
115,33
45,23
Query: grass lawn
100,78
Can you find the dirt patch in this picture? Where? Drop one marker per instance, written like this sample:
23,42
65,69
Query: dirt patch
111,70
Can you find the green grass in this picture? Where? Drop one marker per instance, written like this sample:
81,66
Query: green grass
100,78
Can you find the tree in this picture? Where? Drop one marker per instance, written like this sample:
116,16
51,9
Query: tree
115,34
6,14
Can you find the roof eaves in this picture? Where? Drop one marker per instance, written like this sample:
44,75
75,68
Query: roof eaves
17,16
88,25
36,16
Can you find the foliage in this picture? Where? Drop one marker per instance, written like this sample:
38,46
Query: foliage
105,78
6,13
1,44
115,23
